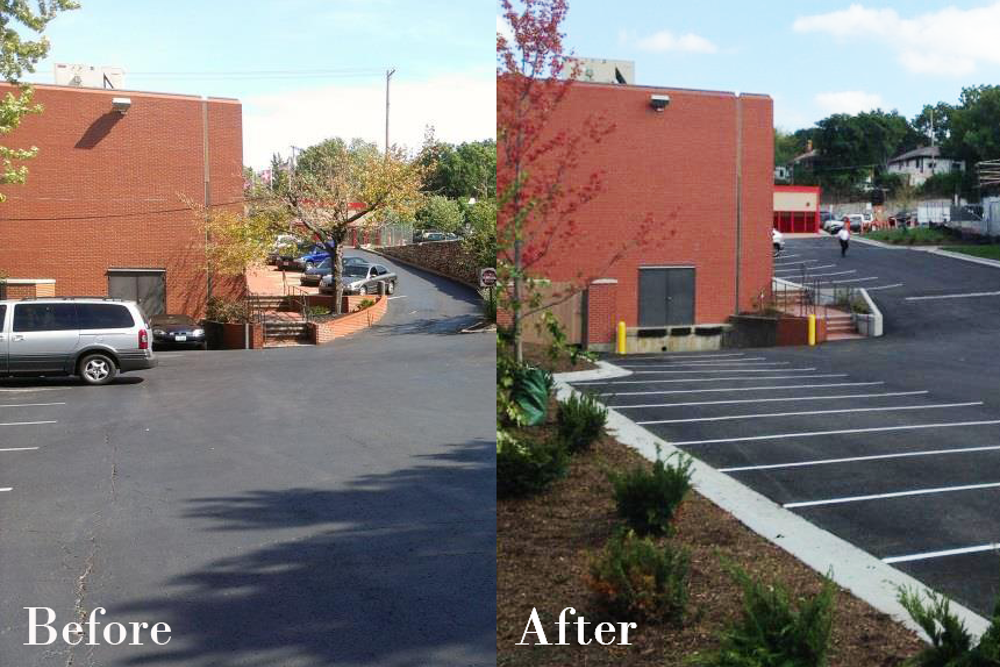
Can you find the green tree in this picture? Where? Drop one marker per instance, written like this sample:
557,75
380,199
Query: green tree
481,235
786,146
941,113
974,128
468,170
440,214
17,56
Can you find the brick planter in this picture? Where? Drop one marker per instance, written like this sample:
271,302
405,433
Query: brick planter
325,331
231,336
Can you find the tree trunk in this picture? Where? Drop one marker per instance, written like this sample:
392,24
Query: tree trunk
336,253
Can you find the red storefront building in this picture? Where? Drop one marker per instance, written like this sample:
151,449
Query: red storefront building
103,212
700,163
796,208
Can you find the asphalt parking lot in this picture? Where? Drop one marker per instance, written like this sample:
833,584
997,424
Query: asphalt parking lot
295,506
891,443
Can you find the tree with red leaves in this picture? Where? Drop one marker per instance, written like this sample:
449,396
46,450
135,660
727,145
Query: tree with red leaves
540,191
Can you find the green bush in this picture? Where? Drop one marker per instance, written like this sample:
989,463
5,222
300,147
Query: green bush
363,304
634,577
581,419
489,304
318,311
648,499
774,632
527,464
218,309
951,643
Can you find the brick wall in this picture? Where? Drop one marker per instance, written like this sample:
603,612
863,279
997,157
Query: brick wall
105,190
602,309
680,167
445,257
324,332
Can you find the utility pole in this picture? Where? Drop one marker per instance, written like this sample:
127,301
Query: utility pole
388,76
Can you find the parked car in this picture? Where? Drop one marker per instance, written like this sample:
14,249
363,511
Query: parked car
425,237
856,220
777,240
311,277
284,243
95,339
825,217
179,330
361,279
305,254
903,219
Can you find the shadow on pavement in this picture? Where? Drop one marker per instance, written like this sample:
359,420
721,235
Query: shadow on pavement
401,571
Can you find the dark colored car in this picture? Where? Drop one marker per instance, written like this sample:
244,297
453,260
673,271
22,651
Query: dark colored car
179,330
428,236
295,257
311,277
903,219
361,279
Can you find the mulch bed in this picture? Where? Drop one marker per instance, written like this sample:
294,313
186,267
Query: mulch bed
537,355
544,546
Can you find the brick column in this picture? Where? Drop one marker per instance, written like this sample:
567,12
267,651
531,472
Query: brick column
602,311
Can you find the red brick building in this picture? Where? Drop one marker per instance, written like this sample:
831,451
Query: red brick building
102,212
702,166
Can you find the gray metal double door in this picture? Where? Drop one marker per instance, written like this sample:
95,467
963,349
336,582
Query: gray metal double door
666,296
147,288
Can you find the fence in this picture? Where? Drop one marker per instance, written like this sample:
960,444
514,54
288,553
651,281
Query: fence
381,235
808,297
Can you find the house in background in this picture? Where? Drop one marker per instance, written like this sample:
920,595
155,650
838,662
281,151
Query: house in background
921,163
103,213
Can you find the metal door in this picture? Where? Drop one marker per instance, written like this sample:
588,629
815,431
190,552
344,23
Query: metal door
147,288
666,296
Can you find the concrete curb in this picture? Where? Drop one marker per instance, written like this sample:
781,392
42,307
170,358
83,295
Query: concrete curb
859,572
966,258
874,319
879,244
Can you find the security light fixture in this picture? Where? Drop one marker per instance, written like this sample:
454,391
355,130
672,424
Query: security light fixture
121,104
659,102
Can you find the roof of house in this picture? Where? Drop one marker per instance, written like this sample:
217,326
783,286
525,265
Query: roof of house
924,151
814,153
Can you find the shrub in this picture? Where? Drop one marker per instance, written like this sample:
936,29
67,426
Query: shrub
951,643
218,309
489,304
318,311
581,419
527,464
772,632
633,576
648,499
364,303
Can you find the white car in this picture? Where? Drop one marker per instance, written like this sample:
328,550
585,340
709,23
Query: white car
778,240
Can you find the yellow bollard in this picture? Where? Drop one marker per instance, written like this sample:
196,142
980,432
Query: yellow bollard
621,337
812,329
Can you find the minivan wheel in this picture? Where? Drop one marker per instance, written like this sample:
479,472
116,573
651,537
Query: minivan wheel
97,369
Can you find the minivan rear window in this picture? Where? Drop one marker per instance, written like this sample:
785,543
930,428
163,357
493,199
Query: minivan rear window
104,316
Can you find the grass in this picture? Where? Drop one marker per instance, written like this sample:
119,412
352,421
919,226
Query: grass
988,251
912,236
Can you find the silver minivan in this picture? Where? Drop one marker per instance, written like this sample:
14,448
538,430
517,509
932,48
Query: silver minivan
91,337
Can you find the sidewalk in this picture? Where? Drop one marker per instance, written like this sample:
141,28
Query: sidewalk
268,281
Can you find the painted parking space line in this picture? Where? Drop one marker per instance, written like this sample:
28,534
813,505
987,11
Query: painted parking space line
787,256
25,390
401,296
833,273
774,377
851,280
690,355
846,431
6,488
727,370
854,459
705,391
793,269
993,546
709,365
18,449
27,423
893,286
28,405
967,295
890,408
693,363
771,400
893,494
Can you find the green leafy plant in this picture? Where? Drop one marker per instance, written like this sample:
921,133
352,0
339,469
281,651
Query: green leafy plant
634,577
318,311
648,499
581,419
489,304
527,464
774,631
951,644
226,311
363,304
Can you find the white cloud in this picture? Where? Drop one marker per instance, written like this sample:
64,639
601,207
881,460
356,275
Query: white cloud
503,28
951,41
664,41
848,101
461,107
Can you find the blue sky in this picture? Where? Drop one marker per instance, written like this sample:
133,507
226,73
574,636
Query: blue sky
443,52
814,58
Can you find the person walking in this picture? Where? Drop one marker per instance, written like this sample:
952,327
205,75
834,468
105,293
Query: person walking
844,235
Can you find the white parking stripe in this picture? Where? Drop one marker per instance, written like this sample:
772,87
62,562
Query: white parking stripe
808,268
691,355
798,261
711,364
691,363
26,423
952,296
895,494
869,289
5,489
812,412
786,256
772,400
833,273
28,405
18,449
727,370
36,389
810,434
853,459
704,391
850,280
774,377
939,554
